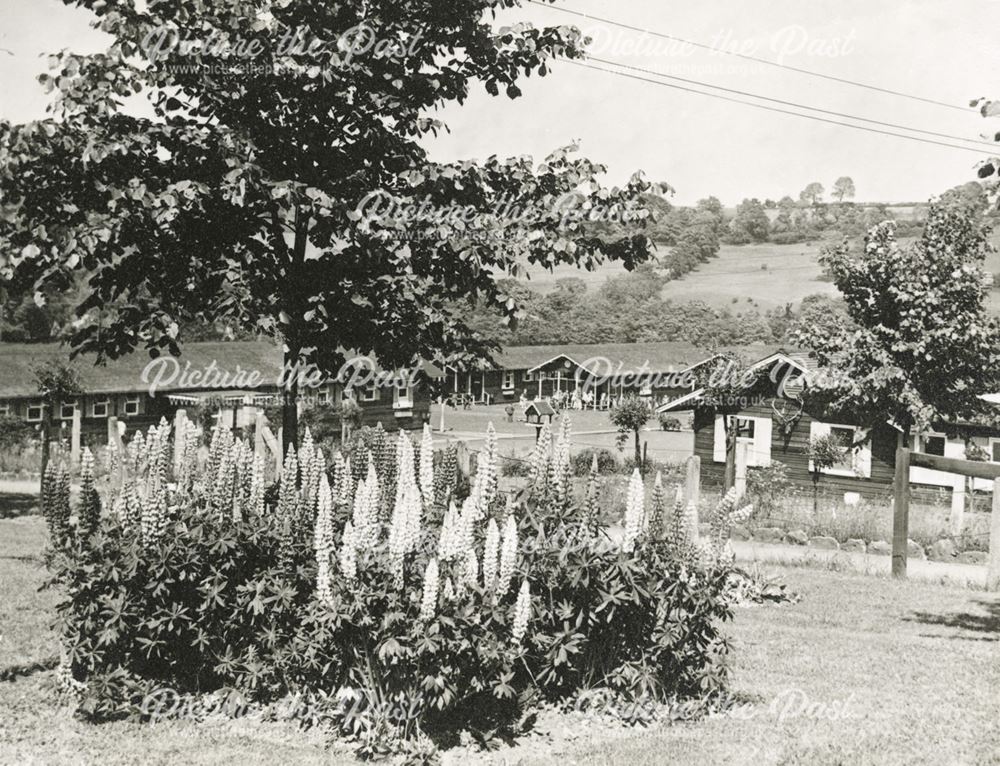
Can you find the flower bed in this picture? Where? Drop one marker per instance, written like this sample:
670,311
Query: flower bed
400,604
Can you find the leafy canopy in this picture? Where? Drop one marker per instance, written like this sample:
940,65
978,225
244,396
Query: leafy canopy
284,188
922,346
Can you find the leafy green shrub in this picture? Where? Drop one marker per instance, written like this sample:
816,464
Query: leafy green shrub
607,461
669,423
511,465
15,433
375,587
767,487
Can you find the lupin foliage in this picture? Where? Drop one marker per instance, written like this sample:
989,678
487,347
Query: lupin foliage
341,585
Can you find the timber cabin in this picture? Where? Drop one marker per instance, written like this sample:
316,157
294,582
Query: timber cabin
119,389
538,372
777,424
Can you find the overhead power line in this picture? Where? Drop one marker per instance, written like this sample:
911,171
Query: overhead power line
793,103
759,60
777,110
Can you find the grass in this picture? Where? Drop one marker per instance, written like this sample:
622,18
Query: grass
890,672
737,272
736,279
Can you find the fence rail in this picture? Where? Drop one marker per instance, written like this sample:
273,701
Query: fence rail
901,505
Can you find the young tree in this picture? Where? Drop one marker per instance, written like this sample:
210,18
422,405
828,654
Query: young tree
843,188
824,452
58,383
921,346
281,184
630,416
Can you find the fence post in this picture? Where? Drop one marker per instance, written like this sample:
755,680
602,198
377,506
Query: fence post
464,458
180,437
742,458
901,512
993,572
74,439
958,504
692,492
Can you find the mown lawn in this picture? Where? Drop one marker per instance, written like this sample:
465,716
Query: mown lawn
862,670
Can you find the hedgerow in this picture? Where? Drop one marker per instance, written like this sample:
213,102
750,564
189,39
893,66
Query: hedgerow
371,585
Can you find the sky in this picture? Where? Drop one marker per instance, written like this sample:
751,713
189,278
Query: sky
699,145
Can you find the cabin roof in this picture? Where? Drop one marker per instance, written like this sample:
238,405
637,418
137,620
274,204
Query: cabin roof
130,373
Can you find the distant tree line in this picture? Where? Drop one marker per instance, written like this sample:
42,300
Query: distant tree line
630,309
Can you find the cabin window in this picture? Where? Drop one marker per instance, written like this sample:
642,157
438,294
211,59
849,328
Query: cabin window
66,411
843,436
403,395
507,383
34,413
132,405
934,445
854,460
99,409
753,432
370,392
995,450
4,409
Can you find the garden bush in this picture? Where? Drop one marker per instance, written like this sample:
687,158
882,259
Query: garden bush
15,433
669,423
607,462
377,590
768,487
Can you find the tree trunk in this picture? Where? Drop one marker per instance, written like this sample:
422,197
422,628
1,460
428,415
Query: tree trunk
46,440
638,455
290,402
729,476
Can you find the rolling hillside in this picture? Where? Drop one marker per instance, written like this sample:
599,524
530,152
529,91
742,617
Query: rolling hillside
757,276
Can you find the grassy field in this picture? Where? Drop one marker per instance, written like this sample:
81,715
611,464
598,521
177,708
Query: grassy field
861,670
738,272
754,277
792,273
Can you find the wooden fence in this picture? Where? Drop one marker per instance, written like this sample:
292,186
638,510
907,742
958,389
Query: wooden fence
901,505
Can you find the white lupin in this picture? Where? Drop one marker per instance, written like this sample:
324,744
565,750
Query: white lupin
470,572
508,556
323,540
522,613
348,553
491,556
427,466
486,469
428,601
635,515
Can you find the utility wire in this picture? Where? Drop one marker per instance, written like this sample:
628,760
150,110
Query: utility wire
748,57
794,103
777,110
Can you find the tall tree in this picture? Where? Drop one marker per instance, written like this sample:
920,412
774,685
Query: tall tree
812,194
843,188
922,346
751,223
281,184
